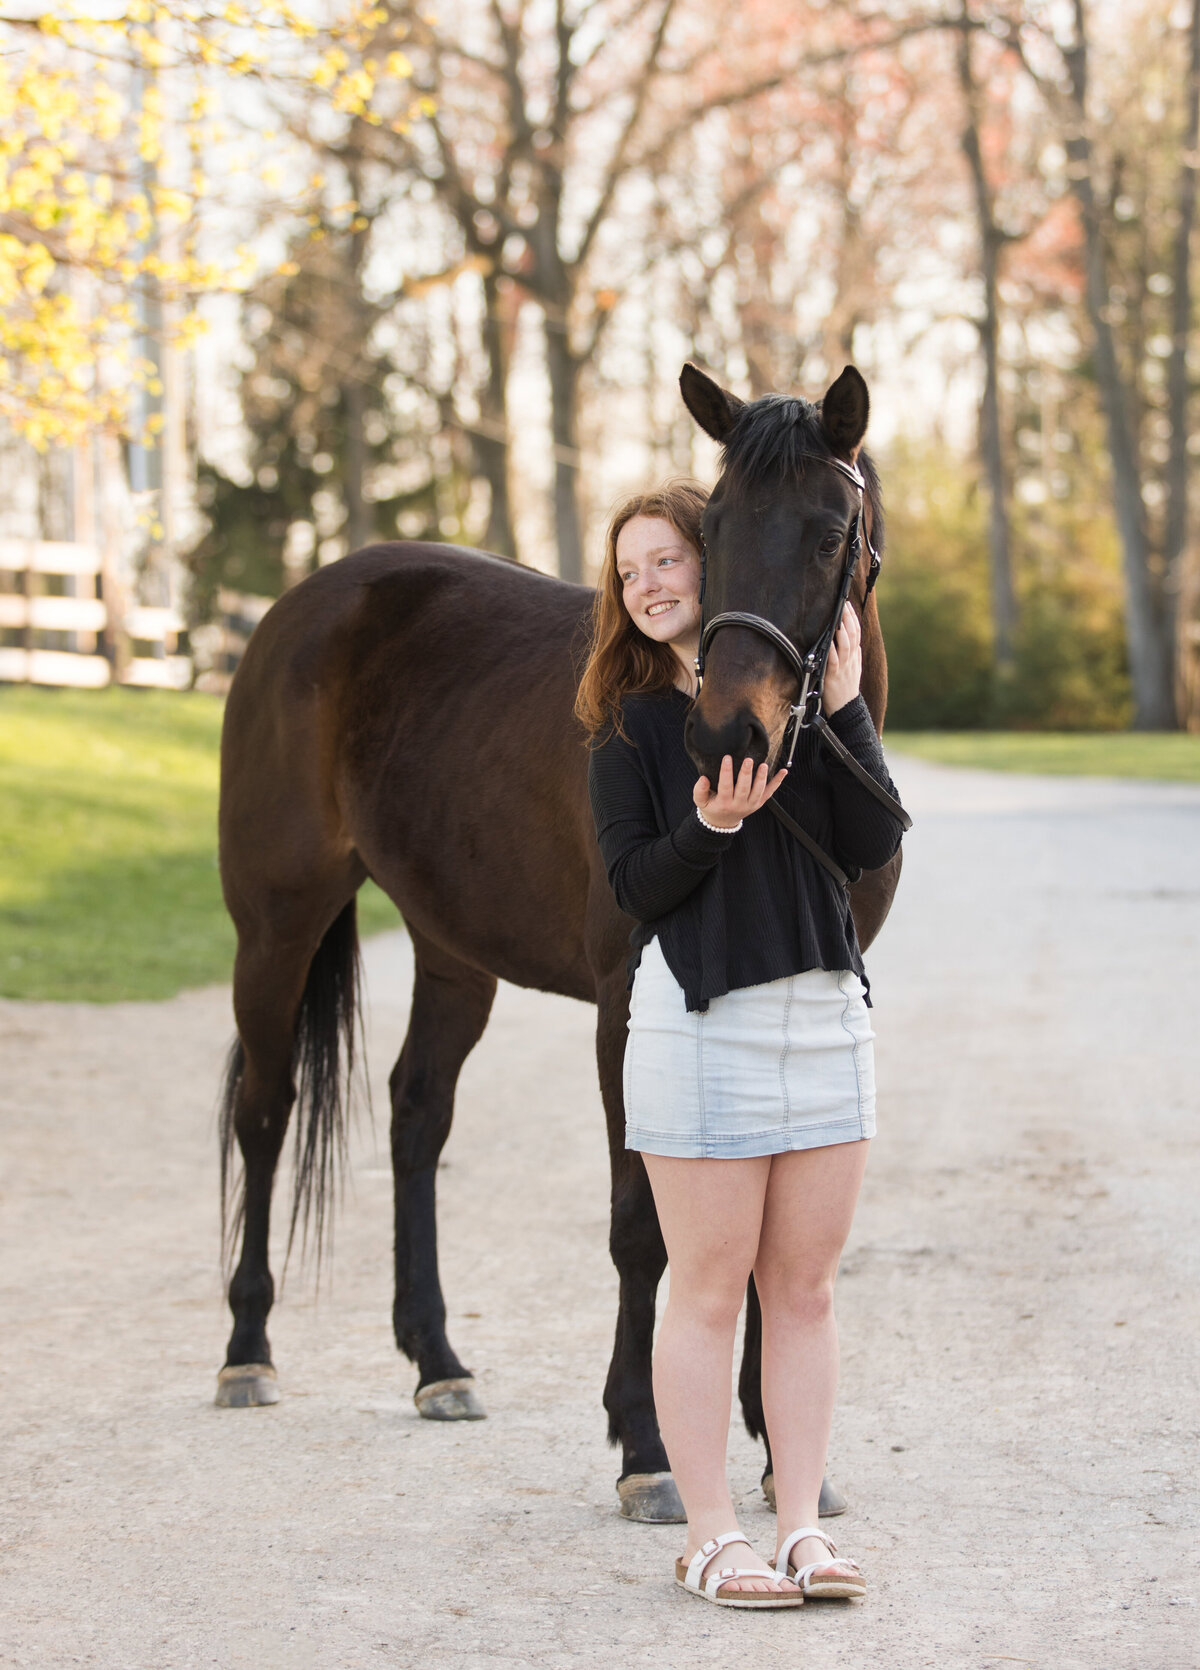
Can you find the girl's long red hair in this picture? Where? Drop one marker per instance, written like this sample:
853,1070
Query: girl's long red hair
621,660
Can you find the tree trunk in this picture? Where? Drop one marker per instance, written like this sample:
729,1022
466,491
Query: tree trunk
852,282
359,520
490,440
1150,657
1176,536
114,642
991,433
564,368
359,529
1149,660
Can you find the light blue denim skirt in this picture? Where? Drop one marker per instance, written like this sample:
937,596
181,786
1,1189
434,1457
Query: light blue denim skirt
765,1070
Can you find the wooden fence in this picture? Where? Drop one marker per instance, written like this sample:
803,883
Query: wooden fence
54,619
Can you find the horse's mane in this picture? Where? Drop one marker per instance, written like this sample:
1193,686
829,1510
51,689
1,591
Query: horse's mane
775,437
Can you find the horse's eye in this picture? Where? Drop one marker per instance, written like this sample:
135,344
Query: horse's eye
831,544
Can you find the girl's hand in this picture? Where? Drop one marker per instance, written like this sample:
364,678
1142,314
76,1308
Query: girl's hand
735,798
843,669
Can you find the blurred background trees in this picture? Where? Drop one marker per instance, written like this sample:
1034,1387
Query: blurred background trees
483,242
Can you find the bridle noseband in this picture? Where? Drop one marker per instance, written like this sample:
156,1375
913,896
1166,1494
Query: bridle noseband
809,669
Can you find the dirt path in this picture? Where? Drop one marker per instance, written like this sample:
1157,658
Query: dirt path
1018,1422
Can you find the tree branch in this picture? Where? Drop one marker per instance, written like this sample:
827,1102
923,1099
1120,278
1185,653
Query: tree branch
617,164
769,83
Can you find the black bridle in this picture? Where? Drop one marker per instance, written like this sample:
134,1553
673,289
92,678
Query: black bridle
810,668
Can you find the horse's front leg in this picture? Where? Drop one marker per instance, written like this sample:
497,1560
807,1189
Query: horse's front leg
451,1004
646,1488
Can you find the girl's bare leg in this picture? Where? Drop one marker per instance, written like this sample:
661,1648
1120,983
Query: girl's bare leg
711,1214
808,1208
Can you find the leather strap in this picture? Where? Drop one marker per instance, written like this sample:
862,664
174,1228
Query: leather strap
835,744
810,846
889,802
764,628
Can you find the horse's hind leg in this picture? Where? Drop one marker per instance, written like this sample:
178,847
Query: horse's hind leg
645,1488
292,994
451,1005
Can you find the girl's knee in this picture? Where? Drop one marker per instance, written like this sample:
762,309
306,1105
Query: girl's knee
712,1303
801,1298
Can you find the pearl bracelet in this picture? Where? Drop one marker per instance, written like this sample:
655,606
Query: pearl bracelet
716,827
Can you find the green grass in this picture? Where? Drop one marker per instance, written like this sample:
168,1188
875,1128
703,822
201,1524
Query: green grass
108,807
1168,756
108,863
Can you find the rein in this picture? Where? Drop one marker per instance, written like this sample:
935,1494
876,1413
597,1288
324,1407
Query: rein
809,669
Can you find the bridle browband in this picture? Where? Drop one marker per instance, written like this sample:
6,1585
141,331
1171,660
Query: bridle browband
809,669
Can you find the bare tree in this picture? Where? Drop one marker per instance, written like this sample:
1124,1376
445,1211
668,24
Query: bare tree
1175,540
992,239
539,124
1150,586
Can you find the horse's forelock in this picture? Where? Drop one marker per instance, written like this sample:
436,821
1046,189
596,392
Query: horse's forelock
772,439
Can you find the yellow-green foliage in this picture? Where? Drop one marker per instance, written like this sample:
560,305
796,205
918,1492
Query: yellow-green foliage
933,598
79,147
934,604
108,865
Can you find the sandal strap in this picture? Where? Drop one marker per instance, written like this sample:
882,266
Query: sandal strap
840,1568
729,1573
703,1555
788,1543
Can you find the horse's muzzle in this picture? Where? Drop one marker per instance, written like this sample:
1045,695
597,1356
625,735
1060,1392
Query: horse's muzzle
739,734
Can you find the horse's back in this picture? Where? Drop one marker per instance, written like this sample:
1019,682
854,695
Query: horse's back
316,635
409,709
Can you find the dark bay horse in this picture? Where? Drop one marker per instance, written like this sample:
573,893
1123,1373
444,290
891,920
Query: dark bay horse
406,714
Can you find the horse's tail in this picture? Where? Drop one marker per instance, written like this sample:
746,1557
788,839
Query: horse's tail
233,1209
323,1055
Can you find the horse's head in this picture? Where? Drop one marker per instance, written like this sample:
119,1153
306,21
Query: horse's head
777,532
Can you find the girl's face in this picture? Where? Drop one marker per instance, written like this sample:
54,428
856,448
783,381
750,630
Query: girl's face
659,574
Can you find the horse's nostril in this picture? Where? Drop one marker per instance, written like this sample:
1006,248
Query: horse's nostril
757,742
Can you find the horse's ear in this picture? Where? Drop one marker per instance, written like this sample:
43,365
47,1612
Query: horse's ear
714,408
844,413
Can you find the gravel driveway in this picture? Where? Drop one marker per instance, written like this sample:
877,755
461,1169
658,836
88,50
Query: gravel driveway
1017,1431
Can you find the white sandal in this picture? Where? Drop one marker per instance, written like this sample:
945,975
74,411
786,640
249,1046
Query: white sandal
837,1580
690,1576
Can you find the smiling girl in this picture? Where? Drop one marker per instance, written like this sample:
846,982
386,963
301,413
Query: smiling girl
752,1111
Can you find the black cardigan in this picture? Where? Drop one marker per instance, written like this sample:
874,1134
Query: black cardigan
735,910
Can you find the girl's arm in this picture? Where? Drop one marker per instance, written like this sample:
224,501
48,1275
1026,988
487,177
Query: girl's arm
650,874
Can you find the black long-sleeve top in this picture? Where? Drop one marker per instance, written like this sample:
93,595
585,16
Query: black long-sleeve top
735,910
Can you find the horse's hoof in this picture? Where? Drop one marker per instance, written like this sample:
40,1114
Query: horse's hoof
832,1501
651,1498
449,1400
246,1386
